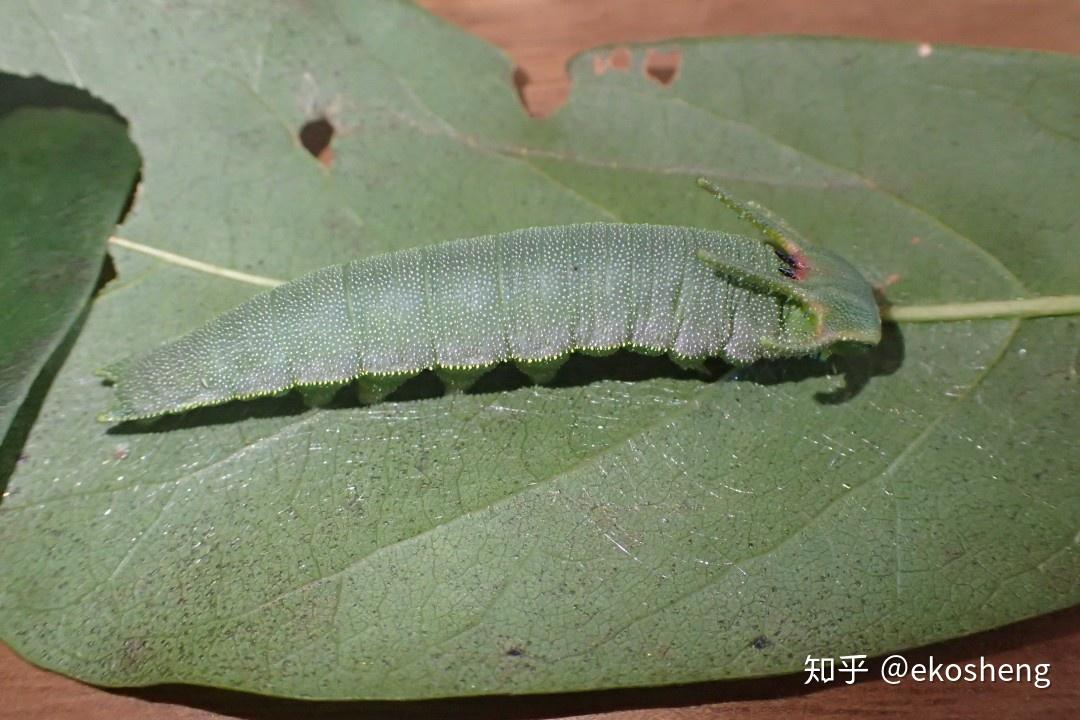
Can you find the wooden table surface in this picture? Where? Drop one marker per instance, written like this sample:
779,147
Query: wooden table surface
541,35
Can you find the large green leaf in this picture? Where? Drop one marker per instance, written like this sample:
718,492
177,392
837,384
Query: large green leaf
631,526
64,176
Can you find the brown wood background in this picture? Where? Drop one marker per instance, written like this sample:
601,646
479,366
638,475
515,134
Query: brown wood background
541,35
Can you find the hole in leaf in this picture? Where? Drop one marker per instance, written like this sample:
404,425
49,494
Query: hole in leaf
521,79
315,136
620,58
617,59
663,66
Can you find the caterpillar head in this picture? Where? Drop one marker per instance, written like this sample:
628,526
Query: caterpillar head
831,306
835,296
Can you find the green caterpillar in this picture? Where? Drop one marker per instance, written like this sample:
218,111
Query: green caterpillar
530,297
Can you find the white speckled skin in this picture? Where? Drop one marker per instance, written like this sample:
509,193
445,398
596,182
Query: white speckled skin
530,295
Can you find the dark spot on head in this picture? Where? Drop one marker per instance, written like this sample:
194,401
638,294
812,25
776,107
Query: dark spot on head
514,651
760,642
788,260
663,67
574,268
315,136
791,267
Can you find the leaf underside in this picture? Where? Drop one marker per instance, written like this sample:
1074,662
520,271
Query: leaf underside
64,176
602,533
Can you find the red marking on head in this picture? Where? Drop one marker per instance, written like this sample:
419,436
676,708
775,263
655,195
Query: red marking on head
801,265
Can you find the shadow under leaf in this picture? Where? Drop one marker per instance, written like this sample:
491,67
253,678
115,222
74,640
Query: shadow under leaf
12,444
999,643
17,91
